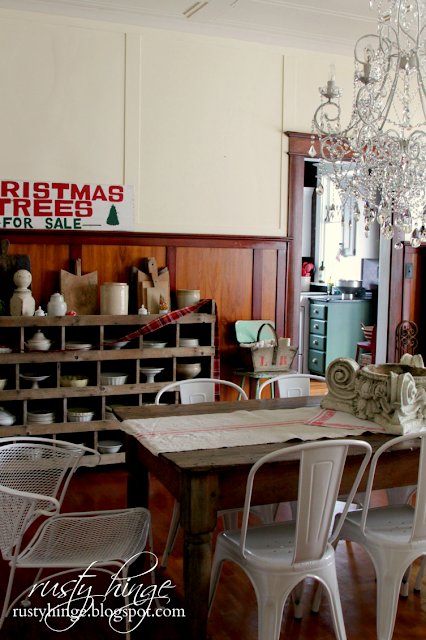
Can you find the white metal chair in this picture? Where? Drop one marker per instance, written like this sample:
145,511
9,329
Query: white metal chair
193,392
393,536
291,385
279,556
197,390
33,471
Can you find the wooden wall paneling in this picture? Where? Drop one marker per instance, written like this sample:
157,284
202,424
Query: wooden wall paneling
46,262
396,285
134,238
171,260
295,218
412,286
269,285
226,276
281,296
113,262
256,311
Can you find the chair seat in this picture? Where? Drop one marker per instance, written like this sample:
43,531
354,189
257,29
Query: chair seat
384,526
364,345
71,540
271,546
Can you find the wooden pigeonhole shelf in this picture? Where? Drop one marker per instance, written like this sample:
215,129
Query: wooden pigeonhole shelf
18,398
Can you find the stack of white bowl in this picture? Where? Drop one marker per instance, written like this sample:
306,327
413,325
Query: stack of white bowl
40,416
189,342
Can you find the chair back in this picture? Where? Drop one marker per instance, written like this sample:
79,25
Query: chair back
197,390
32,471
291,385
419,522
406,338
320,472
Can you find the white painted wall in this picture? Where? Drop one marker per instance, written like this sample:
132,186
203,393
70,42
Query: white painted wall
194,122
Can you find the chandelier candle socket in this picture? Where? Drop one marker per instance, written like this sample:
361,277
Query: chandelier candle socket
380,157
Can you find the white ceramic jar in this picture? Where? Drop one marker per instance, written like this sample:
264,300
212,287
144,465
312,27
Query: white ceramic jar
56,305
187,297
114,299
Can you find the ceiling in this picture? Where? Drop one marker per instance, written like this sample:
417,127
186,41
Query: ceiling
320,25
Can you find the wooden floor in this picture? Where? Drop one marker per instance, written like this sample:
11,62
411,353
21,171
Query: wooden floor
234,615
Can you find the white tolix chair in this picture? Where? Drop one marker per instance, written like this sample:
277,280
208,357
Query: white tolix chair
277,557
193,392
34,476
393,536
291,385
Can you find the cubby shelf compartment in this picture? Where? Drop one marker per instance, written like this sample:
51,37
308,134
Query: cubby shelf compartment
129,358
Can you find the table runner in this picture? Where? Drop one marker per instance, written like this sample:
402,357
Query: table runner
239,428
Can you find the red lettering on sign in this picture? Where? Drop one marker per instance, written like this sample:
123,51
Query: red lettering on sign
63,207
60,186
83,209
21,204
84,193
12,189
42,208
115,194
281,361
3,202
285,360
41,191
26,189
99,194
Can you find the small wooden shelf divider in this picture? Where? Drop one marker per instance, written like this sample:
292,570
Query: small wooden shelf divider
18,398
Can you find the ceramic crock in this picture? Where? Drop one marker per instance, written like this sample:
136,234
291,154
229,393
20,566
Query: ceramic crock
114,299
187,297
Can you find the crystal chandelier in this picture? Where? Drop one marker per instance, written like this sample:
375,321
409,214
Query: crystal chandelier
380,158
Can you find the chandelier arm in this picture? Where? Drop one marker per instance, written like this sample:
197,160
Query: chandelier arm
321,108
422,89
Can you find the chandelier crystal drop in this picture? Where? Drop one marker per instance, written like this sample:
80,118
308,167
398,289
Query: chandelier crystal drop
380,157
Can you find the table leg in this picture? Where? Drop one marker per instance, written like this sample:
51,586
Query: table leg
199,516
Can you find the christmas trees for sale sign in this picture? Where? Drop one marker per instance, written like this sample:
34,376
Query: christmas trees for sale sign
66,206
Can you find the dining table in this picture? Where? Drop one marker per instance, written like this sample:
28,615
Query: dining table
205,481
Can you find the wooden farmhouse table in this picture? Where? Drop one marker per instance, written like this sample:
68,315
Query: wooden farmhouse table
205,481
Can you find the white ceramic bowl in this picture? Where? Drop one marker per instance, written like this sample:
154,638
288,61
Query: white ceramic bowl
154,344
112,378
6,418
188,371
109,446
74,381
39,345
116,345
80,414
3,383
5,350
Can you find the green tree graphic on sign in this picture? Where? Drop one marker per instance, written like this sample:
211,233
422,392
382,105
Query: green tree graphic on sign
112,217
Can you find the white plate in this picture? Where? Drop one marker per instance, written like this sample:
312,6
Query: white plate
78,345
